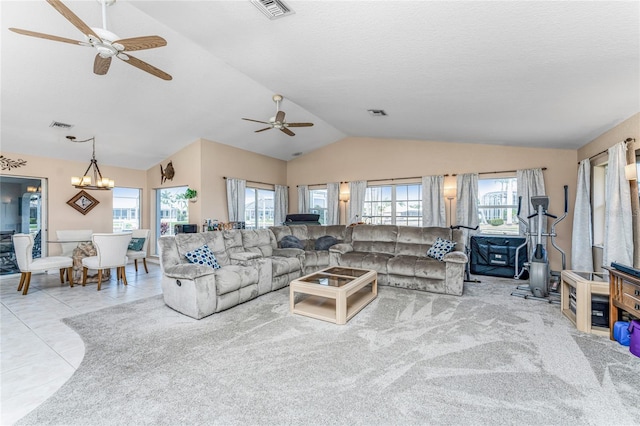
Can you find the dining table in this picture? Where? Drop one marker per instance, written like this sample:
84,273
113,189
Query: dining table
84,248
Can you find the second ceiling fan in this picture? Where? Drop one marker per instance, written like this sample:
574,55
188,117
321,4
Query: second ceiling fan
278,121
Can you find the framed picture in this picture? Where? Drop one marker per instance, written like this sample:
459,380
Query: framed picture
83,202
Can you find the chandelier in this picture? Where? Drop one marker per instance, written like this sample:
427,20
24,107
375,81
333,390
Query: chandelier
91,178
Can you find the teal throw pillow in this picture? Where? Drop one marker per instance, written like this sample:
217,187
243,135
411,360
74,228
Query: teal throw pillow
136,244
440,248
203,256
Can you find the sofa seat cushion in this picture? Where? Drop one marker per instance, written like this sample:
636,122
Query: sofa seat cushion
417,266
285,265
315,258
364,260
233,277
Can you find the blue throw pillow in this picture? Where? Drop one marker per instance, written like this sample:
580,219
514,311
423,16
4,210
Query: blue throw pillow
203,256
289,241
136,244
440,248
323,243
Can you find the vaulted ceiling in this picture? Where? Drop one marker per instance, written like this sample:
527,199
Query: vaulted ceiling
546,74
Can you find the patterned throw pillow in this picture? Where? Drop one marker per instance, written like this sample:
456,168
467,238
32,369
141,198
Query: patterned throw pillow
440,248
136,244
203,256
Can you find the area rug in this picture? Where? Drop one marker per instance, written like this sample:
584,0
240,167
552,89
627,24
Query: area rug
409,357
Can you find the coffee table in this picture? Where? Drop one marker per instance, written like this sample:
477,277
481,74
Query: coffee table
333,294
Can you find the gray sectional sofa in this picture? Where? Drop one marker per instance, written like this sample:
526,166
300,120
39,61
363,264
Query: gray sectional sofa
253,262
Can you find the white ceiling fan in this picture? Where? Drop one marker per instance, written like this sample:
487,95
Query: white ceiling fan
106,43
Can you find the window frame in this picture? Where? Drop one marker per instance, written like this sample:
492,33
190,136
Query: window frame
506,228
126,217
253,221
378,202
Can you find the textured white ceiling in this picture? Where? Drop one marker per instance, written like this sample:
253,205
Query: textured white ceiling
548,74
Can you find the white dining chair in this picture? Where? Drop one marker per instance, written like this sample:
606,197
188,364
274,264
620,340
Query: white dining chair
74,236
23,246
111,252
142,253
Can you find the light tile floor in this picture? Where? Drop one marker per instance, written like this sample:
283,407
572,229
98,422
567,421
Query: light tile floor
38,353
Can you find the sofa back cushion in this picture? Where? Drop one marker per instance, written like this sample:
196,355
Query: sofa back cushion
261,241
374,238
187,243
298,231
318,231
215,241
232,241
416,241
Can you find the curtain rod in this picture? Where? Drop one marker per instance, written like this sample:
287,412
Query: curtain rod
627,140
315,184
502,171
392,179
254,181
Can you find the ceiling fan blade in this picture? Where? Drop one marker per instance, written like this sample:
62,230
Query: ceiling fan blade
262,130
287,131
141,43
280,116
101,65
71,17
48,36
145,66
256,121
299,124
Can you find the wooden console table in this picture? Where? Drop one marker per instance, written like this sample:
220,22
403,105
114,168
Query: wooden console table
585,284
625,296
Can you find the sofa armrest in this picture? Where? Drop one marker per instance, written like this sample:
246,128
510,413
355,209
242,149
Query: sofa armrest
456,257
288,252
341,248
244,256
188,271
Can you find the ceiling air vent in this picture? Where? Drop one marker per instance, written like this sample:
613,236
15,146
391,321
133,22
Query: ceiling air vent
273,9
377,112
59,125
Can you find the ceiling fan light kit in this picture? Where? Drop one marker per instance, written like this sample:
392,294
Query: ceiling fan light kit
106,43
278,121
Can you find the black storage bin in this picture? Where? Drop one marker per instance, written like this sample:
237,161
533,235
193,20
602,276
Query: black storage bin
496,256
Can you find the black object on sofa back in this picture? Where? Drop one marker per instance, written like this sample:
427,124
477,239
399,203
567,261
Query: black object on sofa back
302,219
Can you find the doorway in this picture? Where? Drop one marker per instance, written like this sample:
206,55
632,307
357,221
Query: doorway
23,211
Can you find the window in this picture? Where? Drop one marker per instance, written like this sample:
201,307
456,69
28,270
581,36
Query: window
318,204
393,205
171,209
498,206
126,209
258,208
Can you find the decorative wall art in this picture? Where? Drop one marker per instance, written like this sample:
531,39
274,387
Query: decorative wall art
8,164
167,173
83,202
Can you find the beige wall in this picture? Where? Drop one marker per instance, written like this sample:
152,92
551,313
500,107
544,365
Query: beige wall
58,174
204,164
367,158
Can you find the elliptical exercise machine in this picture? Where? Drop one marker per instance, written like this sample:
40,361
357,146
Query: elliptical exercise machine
538,264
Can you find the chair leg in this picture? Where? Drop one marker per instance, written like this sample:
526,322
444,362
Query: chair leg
144,262
123,275
70,275
22,278
99,278
135,263
61,275
84,275
26,283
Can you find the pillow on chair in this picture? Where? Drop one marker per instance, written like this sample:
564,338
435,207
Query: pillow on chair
136,244
289,241
203,256
440,248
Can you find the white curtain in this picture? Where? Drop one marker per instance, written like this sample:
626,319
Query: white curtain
280,204
467,202
582,235
433,208
235,199
531,183
357,190
333,203
618,231
303,199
